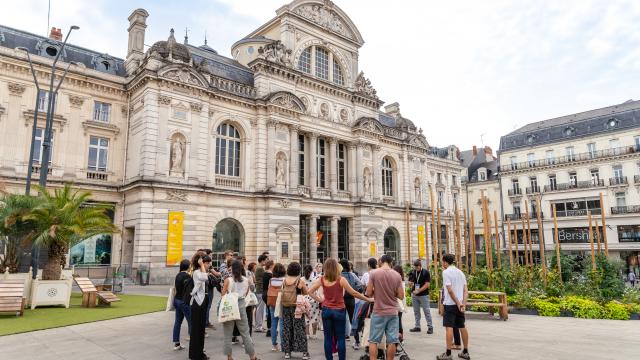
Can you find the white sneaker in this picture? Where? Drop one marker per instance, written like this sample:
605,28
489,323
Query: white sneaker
356,346
177,347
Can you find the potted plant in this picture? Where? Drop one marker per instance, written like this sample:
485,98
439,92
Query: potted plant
60,220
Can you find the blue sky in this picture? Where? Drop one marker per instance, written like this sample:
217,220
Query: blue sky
465,71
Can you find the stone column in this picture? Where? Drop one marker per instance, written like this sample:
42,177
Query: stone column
313,245
376,174
333,173
359,170
334,237
271,156
352,171
313,147
293,158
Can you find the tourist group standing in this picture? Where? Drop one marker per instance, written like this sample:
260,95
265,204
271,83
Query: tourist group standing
291,303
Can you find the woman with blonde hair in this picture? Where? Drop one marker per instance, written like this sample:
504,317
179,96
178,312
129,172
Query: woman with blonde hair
334,312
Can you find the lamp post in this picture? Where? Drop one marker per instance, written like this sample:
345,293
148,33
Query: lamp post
46,144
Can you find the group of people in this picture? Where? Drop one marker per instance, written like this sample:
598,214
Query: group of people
292,303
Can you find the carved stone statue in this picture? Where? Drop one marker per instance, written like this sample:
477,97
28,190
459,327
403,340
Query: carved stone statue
366,179
363,86
281,165
177,154
276,52
418,192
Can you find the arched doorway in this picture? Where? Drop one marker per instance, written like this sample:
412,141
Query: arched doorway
392,243
227,235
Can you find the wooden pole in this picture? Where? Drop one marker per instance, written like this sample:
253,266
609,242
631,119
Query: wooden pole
604,228
556,238
457,238
472,240
438,234
509,247
465,238
593,254
434,242
529,240
598,237
524,243
498,247
515,234
408,226
541,241
487,247
448,236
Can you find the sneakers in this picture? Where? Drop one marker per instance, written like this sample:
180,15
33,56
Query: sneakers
430,330
416,329
234,340
287,356
356,346
464,355
274,348
305,356
444,356
177,347
259,330
268,333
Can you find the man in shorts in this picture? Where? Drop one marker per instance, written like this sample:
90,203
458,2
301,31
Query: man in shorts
385,286
455,298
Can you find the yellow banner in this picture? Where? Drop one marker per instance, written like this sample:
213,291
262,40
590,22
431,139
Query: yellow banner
373,249
174,237
422,248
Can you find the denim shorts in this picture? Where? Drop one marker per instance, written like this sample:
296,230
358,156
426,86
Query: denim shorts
383,325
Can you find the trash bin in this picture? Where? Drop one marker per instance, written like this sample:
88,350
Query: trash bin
118,283
143,277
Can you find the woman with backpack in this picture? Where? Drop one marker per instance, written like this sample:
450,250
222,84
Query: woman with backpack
240,285
199,302
349,300
334,312
275,284
294,338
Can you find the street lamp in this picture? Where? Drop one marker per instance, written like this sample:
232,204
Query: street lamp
46,144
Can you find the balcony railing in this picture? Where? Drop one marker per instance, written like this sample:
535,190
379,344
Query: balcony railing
388,200
636,179
522,216
624,150
632,209
582,212
619,180
343,195
323,193
515,192
97,175
229,182
304,190
572,186
35,169
533,190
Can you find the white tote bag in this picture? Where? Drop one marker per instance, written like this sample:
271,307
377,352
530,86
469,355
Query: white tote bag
278,309
172,296
229,309
251,299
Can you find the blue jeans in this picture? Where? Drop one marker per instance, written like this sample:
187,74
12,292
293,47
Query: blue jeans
183,311
274,326
333,322
386,325
206,316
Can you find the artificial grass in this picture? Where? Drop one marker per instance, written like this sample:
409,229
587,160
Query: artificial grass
51,317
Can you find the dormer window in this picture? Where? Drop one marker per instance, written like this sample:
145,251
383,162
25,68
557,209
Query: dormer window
104,63
319,61
531,139
612,123
569,131
51,51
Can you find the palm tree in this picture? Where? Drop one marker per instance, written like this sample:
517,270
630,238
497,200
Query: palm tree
13,209
63,219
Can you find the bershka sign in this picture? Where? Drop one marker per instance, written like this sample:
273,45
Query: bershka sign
577,234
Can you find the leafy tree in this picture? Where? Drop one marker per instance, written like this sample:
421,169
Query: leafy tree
13,225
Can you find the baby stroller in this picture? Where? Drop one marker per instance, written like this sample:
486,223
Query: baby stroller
364,325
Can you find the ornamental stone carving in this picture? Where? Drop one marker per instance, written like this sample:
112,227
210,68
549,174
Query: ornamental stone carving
363,86
164,100
344,115
76,101
372,210
178,145
324,111
184,76
284,203
176,195
366,181
197,107
324,16
16,89
287,101
276,52
281,169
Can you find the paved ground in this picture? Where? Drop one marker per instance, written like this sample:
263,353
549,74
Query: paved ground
522,337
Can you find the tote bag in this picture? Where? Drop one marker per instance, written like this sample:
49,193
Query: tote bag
229,309
251,299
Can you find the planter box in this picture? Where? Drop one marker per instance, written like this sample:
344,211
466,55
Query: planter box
26,278
635,316
51,292
522,311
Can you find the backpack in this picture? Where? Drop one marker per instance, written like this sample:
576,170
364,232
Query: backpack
272,294
290,293
188,288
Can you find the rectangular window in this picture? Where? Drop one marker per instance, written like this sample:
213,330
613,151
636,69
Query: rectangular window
573,179
101,111
454,180
439,178
304,62
455,200
43,101
38,146
636,140
483,176
514,162
570,152
342,169
98,153
591,149
621,200
441,199
515,186
553,184
595,177
322,63
321,158
516,210
614,145
301,176
531,159
617,172
550,157
629,233
533,182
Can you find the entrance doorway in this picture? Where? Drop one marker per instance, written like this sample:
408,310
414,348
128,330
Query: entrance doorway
392,243
227,235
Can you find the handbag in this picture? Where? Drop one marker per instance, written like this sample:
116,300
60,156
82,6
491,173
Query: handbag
172,296
251,299
229,309
278,308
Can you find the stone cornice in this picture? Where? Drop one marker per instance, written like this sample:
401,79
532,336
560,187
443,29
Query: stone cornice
58,119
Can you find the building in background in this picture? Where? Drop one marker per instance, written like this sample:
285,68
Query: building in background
282,147
572,162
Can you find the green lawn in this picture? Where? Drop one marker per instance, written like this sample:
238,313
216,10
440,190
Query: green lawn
51,317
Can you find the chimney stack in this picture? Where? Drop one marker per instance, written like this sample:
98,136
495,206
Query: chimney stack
392,109
475,151
55,34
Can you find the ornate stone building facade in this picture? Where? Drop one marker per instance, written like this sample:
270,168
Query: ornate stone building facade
282,148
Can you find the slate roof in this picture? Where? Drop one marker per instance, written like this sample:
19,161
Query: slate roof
37,45
593,122
221,66
473,163
386,120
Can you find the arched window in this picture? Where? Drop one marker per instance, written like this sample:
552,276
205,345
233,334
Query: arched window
322,63
338,78
387,177
228,150
304,63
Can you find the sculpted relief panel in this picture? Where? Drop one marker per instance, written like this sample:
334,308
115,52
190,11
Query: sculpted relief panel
325,17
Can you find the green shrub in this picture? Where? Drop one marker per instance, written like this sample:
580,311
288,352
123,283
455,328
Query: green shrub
631,296
582,307
408,300
616,311
546,307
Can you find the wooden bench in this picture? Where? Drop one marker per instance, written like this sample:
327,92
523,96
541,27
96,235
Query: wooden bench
90,293
503,310
12,297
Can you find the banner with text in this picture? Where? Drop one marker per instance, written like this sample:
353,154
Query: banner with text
174,237
422,246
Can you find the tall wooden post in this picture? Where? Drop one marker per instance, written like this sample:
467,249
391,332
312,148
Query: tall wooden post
556,238
541,241
515,234
593,254
487,234
407,217
472,240
438,234
604,227
598,237
498,247
434,236
524,243
509,247
457,238
465,237
529,240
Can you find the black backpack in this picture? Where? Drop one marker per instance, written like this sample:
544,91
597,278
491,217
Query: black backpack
187,288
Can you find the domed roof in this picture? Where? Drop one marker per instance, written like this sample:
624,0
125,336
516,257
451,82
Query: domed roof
172,49
207,47
405,123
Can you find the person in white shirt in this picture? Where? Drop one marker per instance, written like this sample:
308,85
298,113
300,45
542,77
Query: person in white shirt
372,263
455,298
199,301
